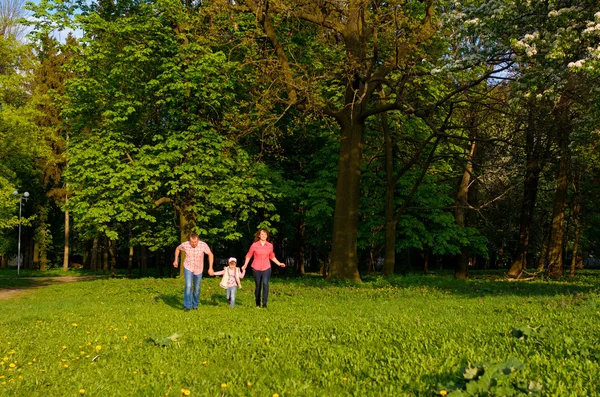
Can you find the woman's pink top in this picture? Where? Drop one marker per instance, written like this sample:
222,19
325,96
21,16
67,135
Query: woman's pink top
262,255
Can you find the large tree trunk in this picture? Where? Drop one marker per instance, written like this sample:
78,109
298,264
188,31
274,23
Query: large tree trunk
389,259
461,270
576,226
344,263
530,189
555,246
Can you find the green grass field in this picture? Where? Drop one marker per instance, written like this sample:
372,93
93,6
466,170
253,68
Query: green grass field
406,335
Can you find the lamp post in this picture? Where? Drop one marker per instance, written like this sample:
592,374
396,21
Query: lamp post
21,197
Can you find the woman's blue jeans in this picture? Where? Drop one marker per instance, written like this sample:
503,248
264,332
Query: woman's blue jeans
192,281
261,282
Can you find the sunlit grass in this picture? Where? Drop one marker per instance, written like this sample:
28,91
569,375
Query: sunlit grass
401,336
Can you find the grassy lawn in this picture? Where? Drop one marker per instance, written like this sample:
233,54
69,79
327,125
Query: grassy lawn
406,335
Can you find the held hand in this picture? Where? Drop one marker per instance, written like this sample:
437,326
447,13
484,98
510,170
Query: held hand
176,264
211,272
281,264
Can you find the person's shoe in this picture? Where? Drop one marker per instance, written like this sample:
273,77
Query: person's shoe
258,306
187,309
264,306
229,301
194,308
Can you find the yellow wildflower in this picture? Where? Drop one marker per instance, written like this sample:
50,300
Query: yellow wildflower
443,392
82,391
12,365
267,340
185,392
3,383
98,347
223,385
66,366
74,324
249,384
275,395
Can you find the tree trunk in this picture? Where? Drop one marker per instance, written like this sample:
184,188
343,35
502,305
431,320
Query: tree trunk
576,225
113,257
66,250
530,189
555,261
389,259
36,255
461,270
184,226
144,260
301,246
344,263
3,261
105,264
94,258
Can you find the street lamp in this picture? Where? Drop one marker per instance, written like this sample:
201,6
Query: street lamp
21,197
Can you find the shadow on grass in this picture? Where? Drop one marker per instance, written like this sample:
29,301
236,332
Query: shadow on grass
175,301
480,284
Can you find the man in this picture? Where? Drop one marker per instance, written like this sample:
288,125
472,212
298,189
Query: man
192,268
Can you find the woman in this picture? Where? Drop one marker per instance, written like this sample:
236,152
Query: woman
262,252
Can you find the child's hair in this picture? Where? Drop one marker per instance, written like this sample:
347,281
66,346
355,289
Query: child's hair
232,259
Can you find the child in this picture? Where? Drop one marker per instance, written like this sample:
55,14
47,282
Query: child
231,279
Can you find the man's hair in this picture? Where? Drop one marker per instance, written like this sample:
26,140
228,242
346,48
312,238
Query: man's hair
193,236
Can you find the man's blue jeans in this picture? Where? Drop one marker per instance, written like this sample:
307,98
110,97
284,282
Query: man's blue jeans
230,294
190,300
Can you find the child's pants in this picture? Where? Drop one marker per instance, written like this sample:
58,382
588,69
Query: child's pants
230,294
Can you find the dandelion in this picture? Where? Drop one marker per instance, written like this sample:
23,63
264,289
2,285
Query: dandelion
275,395
82,352
2,376
66,365
98,348
5,359
64,347
29,363
11,352
3,383
12,365
124,337
185,392
249,384
267,340
223,385
34,360
443,392
1,362
74,324
204,362
20,377
344,379
82,391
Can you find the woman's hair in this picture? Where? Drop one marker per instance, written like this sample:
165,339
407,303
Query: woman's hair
257,235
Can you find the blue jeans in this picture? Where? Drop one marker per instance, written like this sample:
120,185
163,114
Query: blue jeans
190,301
261,281
230,294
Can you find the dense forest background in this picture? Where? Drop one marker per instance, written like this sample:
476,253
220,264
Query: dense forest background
367,136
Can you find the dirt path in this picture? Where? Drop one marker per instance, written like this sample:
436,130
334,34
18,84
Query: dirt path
38,282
